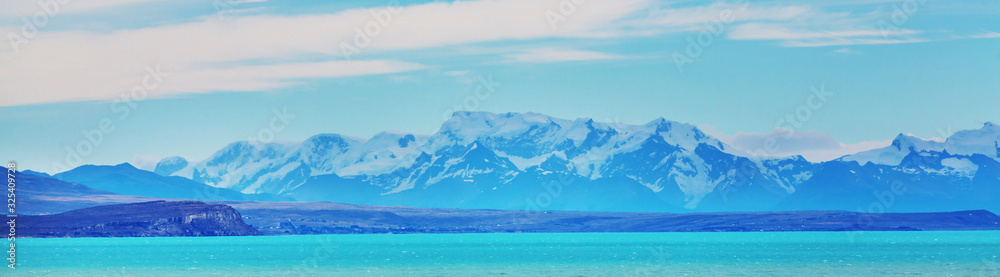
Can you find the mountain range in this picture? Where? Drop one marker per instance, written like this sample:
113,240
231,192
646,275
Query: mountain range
125,179
54,208
533,161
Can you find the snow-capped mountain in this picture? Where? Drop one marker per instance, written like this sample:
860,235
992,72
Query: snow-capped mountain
923,181
518,160
476,152
279,167
985,141
911,174
169,165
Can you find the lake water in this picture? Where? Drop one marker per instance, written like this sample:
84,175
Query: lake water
577,254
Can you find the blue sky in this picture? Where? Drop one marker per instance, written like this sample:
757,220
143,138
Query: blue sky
735,69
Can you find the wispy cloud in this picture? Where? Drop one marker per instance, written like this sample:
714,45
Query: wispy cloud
29,8
145,162
210,55
262,77
829,29
986,35
695,18
208,52
789,25
456,73
548,55
811,145
845,52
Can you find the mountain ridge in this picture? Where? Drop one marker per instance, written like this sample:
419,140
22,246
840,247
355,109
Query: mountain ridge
487,160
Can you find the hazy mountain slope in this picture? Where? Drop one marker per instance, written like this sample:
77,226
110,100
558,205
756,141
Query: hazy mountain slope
128,180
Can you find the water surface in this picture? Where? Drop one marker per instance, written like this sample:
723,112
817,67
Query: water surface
574,254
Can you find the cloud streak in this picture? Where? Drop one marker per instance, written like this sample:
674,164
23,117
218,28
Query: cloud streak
29,8
804,37
213,55
788,25
811,145
231,55
548,55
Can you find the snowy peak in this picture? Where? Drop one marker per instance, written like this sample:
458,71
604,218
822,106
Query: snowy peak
318,150
554,164
468,124
910,143
169,165
529,138
940,163
334,142
478,146
894,154
480,157
660,123
246,151
902,139
405,141
978,141
468,163
383,153
985,141
685,135
394,141
467,127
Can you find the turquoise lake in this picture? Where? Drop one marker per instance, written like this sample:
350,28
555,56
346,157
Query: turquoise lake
970,253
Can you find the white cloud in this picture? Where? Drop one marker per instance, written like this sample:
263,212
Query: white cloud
821,155
145,162
457,73
209,55
29,8
986,35
810,36
230,55
845,52
763,31
547,55
811,145
246,1
251,78
696,17
791,26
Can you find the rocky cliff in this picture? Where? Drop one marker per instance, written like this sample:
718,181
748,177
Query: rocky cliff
148,219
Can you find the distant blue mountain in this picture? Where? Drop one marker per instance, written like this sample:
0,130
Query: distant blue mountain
533,161
169,165
36,173
128,180
39,193
923,181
